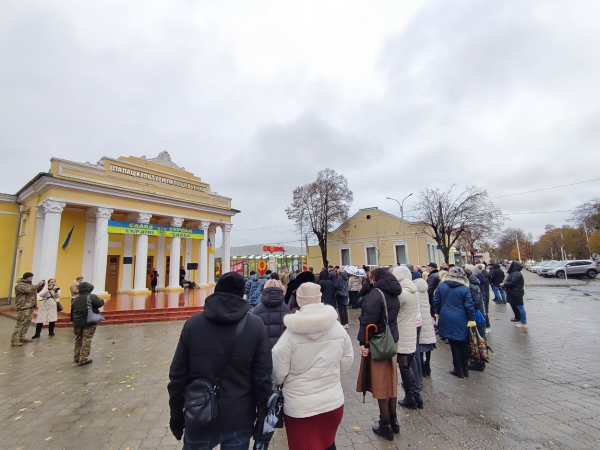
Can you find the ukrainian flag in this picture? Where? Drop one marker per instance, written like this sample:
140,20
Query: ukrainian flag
211,250
68,239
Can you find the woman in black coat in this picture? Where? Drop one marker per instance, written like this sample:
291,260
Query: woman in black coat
383,375
514,285
271,310
327,291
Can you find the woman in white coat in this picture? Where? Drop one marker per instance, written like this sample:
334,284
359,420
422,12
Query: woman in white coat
308,360
427,339
47,310
407,330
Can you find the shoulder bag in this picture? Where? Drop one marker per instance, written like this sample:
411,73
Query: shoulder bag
200,396
92,317
382,345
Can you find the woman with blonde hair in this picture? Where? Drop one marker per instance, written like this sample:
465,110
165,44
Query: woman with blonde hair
272,309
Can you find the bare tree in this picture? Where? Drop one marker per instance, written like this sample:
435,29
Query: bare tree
322,205
381,240
587,214
445,217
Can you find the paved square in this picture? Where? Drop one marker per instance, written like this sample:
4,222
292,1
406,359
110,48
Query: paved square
541,391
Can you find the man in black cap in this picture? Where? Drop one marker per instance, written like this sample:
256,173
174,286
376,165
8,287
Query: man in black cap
432,283
205,351
25,301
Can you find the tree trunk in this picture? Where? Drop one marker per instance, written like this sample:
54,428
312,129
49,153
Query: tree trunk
323,247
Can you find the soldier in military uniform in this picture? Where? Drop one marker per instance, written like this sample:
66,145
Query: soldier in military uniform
84,331
26,299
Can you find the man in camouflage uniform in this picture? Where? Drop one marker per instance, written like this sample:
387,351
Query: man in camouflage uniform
84,332
26,299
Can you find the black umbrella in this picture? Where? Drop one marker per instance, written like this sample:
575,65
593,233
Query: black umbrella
366,375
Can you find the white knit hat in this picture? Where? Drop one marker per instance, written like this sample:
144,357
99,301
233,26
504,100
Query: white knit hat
402,272
308,293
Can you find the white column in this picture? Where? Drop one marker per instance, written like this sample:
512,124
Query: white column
141,256
175,253
126,272
49,249
87,265
39,238
188,252
212,234
203,254
160,262
226,252
101,250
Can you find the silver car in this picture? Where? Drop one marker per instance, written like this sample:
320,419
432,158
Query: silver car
575,268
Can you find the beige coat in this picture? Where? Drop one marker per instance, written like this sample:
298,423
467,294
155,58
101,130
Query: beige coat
427,331
407,317
47,309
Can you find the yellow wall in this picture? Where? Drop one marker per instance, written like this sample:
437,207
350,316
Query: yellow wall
69,260
381,230
9,221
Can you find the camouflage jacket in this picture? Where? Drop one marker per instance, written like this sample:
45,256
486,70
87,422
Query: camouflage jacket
26,294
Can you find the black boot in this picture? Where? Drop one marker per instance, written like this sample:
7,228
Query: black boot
427,366
418,398
408,382
38,330
51,328
384,429
478,366
394,423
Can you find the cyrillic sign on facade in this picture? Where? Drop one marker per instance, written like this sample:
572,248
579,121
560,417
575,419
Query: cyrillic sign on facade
116,227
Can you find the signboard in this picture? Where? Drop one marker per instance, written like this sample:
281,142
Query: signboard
116,227
238,267
273,248
262,267
156,178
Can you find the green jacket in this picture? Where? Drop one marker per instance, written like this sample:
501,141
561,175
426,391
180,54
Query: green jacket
26,294
79,305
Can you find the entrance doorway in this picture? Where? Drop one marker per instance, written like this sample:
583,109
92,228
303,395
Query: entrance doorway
111,283
168,270
149,267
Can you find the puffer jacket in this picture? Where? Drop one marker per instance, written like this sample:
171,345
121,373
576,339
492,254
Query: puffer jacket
496,275
309,358
79,305
354,283
478,300
427,330
373,311
433,280
454,304
254,287
407,318
272,310
514,285
26,294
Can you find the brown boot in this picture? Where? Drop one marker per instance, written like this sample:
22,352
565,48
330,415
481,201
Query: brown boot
26,341
16,344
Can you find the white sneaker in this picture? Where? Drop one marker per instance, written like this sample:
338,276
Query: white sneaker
346,326
521,325
488,330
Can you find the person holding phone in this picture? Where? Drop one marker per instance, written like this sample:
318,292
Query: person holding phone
47,309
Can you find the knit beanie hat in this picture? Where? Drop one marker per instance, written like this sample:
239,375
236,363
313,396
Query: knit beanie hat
308,293
401,273
469,267
27,275
232,283
458,272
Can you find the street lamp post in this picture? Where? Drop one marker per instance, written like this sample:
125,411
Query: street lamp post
401,204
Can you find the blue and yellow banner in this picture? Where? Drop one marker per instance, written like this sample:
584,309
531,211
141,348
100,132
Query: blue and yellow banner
116,227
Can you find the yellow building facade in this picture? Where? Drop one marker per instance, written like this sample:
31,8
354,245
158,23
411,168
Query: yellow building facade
376,238
113,222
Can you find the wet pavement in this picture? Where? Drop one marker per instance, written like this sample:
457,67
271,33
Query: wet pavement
541,390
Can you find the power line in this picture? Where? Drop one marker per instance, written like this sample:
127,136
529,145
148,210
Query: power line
545,189
263,228
539,212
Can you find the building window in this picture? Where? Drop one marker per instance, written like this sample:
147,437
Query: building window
401,257
345,256
23,225
371,255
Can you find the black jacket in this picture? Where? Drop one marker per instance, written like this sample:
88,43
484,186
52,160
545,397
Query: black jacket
496,275
366,287
341,288
484,279
373,311
204,344
515,284
327,291
79,305
271,310
301,278
433,280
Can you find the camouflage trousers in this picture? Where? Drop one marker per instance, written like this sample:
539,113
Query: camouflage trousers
83,343
23,321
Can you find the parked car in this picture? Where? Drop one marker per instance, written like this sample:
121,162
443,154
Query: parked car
575,268
541,265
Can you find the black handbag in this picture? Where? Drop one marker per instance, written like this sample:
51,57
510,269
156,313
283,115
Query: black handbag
200,396
59,307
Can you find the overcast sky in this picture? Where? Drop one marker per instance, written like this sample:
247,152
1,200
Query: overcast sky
257,97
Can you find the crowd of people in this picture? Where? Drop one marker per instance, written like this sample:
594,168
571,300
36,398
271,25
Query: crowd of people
289,333
296,341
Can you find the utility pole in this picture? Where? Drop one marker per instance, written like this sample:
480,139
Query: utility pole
518,250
